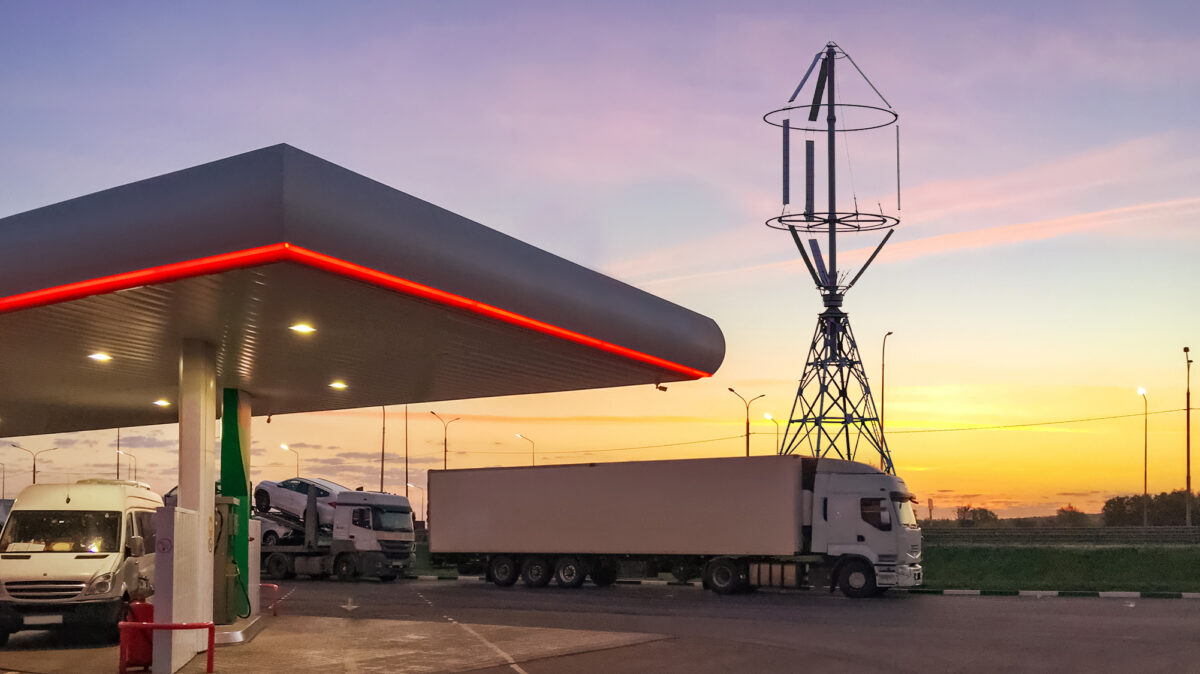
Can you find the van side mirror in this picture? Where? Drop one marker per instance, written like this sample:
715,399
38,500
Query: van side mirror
136,546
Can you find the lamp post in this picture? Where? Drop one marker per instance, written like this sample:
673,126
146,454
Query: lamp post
747,415
532,453
1145,457
134,458
1187,434
297,453
382,445
882,387
424,501
3,481
445,434
771,419
34,455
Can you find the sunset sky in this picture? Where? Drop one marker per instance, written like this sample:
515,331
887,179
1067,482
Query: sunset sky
1044,269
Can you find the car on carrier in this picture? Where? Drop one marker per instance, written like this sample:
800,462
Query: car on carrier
291,497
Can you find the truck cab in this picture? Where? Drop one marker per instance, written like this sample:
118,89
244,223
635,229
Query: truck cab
373,532
75,555
863,518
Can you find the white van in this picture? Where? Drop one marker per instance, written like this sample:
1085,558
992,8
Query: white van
72,555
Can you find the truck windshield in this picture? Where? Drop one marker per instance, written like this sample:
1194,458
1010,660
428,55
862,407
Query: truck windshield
61,531
904,509
392,519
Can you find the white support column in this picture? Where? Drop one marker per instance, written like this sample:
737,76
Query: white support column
191,577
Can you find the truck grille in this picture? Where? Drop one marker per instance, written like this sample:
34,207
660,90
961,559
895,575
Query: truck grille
396,549
45,590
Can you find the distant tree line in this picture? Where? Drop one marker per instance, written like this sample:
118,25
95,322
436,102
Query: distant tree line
1162,510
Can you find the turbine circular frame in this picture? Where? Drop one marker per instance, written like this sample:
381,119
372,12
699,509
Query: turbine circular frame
891,117
846,221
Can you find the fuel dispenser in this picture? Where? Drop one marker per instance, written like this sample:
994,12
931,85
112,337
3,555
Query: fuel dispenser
230,598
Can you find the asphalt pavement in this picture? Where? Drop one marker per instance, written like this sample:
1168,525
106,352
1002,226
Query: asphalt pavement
454,626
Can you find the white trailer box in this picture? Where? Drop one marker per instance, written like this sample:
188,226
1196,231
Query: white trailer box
747,506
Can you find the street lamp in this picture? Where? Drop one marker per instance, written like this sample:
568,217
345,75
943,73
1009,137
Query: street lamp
445,433
532,453
771,419
424,502
1187,433
747,415
3,481
297,453
125,453
34,455
882,388
1145,456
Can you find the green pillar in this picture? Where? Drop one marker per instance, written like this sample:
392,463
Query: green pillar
235,472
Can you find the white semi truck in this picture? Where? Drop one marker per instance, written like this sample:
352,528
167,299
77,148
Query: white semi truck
371,536
738,523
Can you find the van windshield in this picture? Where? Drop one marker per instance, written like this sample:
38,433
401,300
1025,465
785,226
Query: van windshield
392,519
61,531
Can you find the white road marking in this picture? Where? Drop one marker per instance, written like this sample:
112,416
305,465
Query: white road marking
511,663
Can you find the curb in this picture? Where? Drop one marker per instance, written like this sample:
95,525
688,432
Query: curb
1040,594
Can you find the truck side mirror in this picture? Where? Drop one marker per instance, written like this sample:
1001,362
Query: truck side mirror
136,547
885,515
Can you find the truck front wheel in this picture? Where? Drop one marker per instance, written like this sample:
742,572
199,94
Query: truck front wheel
725,576
503,570
857,579
535,572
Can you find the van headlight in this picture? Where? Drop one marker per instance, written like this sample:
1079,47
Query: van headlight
101,584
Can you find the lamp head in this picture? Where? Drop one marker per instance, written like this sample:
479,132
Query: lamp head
1141,391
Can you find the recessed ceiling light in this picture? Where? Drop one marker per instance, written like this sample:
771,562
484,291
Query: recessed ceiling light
339,385
162,403
100,356
303,327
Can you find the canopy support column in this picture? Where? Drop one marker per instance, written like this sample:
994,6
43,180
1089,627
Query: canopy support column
184,567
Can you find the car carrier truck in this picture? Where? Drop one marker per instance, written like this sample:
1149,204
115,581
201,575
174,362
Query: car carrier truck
737,523
371,536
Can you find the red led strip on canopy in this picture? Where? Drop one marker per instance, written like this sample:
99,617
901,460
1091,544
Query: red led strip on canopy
286,252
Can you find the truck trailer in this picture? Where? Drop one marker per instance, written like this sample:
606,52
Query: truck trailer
737,523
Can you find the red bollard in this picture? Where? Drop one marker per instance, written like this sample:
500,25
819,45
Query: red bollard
137,646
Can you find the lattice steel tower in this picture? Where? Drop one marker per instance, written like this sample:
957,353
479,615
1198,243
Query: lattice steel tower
833,411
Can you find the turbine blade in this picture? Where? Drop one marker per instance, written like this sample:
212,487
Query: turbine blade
820,91
816,251
810,149
808,72
787,160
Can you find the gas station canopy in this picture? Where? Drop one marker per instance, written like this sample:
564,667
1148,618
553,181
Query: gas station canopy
407,301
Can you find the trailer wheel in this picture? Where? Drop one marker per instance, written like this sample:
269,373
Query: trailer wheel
270,538
278,566
346,567
503,570
857,579
725,576
535,572
569,572
604,572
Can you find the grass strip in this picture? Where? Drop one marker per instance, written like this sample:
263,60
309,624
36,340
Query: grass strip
1074,569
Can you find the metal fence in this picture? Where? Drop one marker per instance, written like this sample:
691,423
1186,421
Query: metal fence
1064,536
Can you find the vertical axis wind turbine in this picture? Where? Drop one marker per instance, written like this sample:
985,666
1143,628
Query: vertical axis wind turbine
834,412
